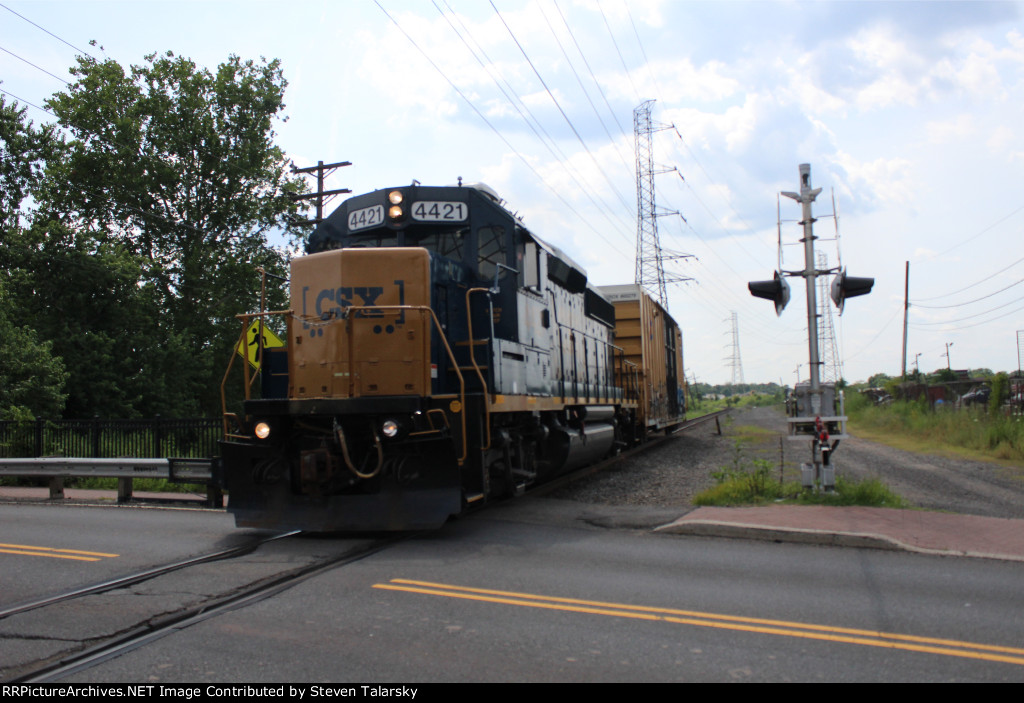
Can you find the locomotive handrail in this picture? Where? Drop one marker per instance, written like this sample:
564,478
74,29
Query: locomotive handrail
347,316
472,357
246,317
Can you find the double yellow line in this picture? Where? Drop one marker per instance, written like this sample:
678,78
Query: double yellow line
845,635
76,554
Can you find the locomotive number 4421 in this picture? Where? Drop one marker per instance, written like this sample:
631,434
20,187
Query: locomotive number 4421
365,217
439,211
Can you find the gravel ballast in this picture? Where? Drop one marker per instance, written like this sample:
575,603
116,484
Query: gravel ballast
670,474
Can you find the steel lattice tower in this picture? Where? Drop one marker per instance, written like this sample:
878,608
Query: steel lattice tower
831,366
650,257
650,272
734,357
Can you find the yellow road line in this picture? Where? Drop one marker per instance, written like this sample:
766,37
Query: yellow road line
47,554
32,550
914,643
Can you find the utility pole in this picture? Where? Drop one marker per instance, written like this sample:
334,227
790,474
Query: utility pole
906,311
321,170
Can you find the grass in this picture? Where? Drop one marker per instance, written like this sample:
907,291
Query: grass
757,482
148,485
705,406
758,487
970,433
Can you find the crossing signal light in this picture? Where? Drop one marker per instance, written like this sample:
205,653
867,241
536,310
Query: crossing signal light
776,290
844,287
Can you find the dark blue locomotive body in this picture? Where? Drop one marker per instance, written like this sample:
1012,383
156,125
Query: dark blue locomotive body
438,355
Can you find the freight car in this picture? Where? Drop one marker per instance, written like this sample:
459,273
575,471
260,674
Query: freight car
440,355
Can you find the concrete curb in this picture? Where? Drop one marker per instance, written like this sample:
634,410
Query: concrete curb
830,538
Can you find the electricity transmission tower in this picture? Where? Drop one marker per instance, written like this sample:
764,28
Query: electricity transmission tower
734,357
650,257
831,366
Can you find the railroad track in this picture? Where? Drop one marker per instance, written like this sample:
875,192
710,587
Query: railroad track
83,650
79,651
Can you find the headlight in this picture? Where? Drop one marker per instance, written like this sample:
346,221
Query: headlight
262,430
389,428
395,212
395,197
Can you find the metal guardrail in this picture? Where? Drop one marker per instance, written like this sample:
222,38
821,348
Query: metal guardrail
57,469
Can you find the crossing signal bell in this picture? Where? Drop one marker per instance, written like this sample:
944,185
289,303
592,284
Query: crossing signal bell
776,290
844,287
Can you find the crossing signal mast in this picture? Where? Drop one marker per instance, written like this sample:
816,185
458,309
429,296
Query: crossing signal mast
816,410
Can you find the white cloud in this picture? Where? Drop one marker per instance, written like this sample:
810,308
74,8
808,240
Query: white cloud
957,129
887,181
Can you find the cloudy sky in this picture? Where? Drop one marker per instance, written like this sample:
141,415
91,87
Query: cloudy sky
910,114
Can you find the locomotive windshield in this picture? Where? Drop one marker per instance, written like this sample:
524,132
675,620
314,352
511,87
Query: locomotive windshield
448,242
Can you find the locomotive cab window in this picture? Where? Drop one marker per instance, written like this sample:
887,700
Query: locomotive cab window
490,251
447,242
528,263
371,240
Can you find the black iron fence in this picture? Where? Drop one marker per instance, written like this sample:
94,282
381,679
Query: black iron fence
153,438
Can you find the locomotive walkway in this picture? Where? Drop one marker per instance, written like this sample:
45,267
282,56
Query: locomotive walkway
880,528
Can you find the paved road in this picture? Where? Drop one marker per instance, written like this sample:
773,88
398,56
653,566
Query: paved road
535,590
48,549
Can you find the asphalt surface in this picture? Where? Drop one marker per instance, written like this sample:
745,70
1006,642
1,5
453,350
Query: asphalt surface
880,528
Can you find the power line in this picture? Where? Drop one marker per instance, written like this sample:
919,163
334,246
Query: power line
515,100
976,283
971,317
26,102
568,121
494,129
48,32
20,58
972,238
590,70
618,51
918,325
579,80
960,305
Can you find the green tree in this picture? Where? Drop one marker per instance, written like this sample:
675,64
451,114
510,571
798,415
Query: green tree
878,380
24,151
85,297
31,378
171,180
1000,392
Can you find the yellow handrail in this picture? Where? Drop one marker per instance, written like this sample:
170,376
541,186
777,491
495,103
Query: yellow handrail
245,318
472,357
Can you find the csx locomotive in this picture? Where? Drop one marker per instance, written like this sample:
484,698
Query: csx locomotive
440,355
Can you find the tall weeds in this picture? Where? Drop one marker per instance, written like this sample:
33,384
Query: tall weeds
993,434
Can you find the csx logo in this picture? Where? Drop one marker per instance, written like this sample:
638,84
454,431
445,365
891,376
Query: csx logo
331,302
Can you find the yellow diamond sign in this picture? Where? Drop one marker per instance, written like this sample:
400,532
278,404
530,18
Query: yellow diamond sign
249,347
